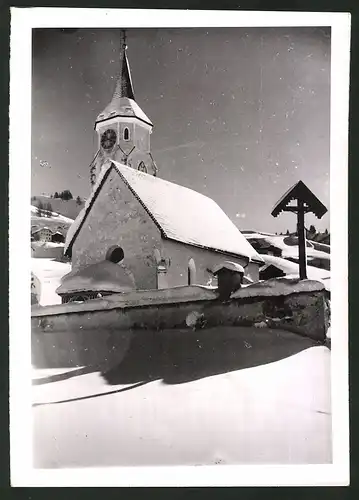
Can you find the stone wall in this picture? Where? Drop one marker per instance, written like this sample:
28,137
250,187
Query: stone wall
118,218
101,329
180,255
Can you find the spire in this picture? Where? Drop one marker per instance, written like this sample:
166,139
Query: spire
123,100
124,86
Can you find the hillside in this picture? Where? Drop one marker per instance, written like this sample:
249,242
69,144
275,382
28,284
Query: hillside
54,222
68,208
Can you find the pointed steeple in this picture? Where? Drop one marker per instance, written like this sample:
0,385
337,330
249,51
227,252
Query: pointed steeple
124,87
123,100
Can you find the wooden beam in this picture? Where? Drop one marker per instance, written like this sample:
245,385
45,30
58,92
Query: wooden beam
302,242
290,209
295,209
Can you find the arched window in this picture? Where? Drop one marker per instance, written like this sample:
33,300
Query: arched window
191,272
157,256
162,274
115,254
126,134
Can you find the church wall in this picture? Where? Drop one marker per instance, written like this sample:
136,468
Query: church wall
136,158
180,255
131,128
142,138
118,218
105,126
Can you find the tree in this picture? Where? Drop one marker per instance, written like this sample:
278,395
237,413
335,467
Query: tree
287,233
48,209
326,232
66,195
78,201
312,229
56,195
40,209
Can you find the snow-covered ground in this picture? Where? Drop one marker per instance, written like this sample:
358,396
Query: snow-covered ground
53,216
288,251
47,244
277,413
49,272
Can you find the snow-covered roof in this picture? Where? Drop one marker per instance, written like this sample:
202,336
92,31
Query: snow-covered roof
291,269
288,251
123,106
231,266
42,229
180,213
102,276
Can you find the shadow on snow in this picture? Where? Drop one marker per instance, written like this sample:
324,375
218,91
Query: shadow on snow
178,356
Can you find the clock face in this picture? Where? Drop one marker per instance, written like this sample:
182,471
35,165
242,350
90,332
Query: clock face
108,139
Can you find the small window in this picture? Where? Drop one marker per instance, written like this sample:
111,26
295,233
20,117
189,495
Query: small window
157,256
191,272
115,254
126,134
162,275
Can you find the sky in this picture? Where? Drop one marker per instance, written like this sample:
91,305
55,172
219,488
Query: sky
239,114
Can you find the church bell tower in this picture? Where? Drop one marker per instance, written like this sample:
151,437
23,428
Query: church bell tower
123,129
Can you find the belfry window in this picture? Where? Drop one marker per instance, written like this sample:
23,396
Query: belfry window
126,134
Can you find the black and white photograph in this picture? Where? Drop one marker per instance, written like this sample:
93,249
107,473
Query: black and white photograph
179,256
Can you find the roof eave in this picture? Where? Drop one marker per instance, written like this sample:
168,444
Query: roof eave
118,115
212,249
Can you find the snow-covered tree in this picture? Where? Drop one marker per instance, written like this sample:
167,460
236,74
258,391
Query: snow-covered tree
40,209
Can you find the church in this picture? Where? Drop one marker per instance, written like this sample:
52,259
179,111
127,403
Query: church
156,233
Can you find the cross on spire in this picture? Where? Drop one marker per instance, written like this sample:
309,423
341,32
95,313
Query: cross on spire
124,86
123,39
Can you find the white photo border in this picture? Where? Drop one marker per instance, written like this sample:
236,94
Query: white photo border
23,20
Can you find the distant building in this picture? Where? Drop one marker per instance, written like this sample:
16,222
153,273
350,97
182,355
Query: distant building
58,237
264,247
47,235
43,234
270,271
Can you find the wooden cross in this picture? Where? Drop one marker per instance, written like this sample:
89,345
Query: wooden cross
306,202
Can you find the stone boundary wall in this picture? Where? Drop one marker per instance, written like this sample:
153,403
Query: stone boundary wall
101,330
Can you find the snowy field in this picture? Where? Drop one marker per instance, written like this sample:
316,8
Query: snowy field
274,413
53,216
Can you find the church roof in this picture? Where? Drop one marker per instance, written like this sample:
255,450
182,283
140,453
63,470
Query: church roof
180,213
123,101
123,106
